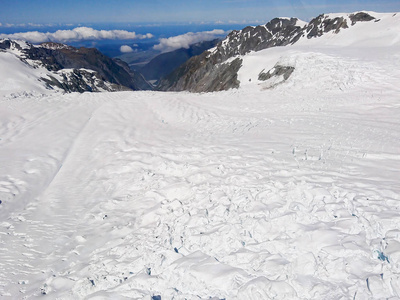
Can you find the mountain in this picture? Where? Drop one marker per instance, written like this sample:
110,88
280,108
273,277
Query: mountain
165,63
75,69
217,68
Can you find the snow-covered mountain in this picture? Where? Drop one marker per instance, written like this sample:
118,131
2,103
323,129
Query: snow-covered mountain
285,188
217,69
73,69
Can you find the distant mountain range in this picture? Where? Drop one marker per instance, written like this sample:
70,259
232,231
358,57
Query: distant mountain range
217,68
203,67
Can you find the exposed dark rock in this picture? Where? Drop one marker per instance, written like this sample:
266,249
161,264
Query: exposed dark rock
322,24
360,17
278,73
8,44
278,70
5,44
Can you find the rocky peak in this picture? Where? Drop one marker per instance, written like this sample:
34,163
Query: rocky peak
277,32
360,17
57,46
8,44
19,46
323,24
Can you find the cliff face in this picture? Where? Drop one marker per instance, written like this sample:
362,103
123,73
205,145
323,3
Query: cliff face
202,74
216,69
78,69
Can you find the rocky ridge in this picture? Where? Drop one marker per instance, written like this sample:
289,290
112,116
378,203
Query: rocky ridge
76,69
216,69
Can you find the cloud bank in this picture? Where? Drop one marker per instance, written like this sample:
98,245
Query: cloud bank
125,49
76,34
187,39
10,25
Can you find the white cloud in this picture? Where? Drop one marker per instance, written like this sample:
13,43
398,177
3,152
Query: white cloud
126,49
76,34
7,25
11,25
187,39
242,22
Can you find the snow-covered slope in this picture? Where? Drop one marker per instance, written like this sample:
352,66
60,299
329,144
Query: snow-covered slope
282,189
17,77
68,69
331,60
217,69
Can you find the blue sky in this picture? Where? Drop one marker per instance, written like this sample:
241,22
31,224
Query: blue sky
141,11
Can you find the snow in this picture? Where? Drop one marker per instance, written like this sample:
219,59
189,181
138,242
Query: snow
17,76
20,76
334,56
288,192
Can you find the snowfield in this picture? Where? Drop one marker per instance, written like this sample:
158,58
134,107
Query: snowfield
289,192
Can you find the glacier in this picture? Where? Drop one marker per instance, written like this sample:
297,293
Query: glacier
269,191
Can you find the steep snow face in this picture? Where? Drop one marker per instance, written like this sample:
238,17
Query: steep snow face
278,190
381,31
17,77
21,76
332,60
